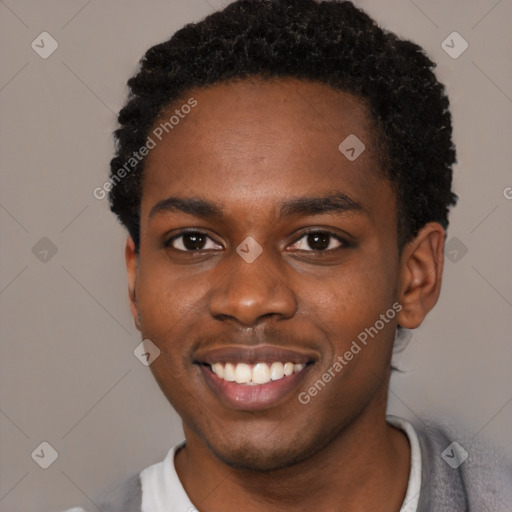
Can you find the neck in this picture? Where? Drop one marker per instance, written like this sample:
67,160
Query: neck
365,467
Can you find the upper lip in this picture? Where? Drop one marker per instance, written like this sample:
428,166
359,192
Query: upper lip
253,354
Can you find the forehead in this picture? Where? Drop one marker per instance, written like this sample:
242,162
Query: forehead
259,139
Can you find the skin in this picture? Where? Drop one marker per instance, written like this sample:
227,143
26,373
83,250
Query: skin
248,146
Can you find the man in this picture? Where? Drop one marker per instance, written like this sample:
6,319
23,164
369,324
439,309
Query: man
284,172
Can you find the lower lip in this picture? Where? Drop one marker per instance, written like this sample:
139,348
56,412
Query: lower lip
249,397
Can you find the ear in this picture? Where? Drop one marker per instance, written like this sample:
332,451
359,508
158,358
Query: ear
131,267
422,263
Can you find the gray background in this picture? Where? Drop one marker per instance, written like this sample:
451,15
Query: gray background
68,373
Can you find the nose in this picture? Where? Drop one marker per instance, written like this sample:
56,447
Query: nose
247,293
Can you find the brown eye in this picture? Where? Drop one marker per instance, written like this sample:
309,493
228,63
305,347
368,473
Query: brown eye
319,241
191,241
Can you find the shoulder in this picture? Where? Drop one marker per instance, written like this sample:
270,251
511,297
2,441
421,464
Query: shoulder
463,471
125,496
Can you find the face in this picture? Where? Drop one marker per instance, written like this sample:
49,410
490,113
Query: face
265,252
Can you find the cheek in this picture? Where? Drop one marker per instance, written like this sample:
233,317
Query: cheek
359,343
168,306
352,297
165,295
348,309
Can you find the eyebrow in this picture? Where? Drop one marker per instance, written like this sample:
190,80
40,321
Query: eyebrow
337,202
193,206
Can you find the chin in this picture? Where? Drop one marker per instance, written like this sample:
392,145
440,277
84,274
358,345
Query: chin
260,455
256,461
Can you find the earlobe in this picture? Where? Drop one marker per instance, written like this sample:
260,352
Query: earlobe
131,269
421,275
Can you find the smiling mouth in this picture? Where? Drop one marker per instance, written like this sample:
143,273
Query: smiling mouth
256,377
255,374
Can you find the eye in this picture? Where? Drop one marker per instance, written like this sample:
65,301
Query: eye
320,241
188,241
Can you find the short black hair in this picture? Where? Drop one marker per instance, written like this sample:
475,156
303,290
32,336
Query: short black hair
330,42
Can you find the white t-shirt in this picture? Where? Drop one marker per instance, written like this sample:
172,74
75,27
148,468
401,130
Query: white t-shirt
162,490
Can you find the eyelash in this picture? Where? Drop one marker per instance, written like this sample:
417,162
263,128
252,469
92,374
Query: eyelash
343,241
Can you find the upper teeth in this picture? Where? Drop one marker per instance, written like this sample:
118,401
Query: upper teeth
259,373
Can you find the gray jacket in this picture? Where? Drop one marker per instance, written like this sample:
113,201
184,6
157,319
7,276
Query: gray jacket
482,483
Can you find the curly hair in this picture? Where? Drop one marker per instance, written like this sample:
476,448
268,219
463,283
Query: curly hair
331,42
